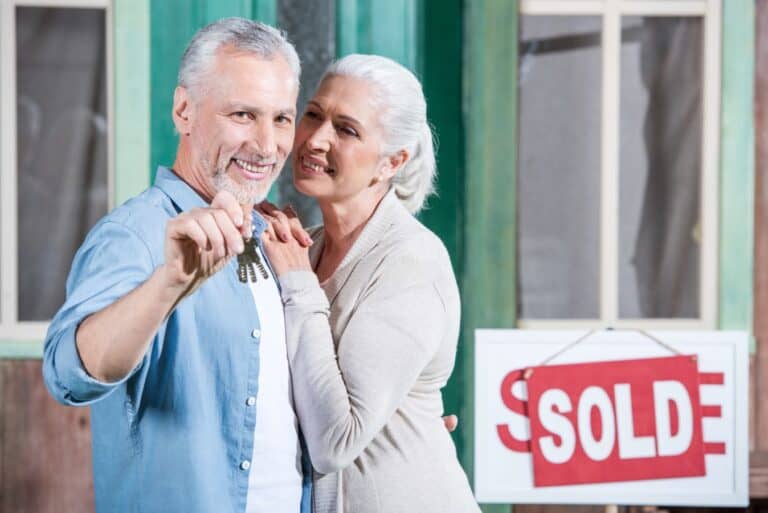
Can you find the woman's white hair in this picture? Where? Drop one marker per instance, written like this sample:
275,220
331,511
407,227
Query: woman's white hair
239,33
397,92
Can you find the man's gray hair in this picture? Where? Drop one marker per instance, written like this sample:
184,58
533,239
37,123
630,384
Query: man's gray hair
240,33
397,92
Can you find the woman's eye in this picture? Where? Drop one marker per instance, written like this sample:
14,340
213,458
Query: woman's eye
311,114
348,131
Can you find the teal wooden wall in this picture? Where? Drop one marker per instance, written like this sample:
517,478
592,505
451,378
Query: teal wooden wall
737,167
442,42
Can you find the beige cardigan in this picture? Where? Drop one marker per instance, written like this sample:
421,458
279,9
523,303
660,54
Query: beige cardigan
391,314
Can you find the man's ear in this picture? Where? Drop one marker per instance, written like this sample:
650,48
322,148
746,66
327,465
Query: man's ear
392,165
182,110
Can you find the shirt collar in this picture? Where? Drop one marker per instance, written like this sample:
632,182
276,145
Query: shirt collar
185,198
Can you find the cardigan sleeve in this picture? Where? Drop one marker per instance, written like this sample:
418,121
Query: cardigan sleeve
395,331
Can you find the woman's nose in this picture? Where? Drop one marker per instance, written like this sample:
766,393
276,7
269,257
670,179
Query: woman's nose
320,139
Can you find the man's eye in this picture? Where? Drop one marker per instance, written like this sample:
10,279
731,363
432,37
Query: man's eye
242,115
284,120
311,114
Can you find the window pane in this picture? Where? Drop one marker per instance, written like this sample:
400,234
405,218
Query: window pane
559,166
62,146
660,170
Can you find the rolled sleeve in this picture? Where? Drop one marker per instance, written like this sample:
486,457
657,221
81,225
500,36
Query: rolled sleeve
112,262
68,380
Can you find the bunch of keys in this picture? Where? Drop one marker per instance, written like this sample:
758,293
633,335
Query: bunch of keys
248,261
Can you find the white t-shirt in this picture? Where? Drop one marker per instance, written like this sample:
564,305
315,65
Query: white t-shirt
275,478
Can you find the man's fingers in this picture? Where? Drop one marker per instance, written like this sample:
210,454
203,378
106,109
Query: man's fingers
226,201
232,237
207,222
188,228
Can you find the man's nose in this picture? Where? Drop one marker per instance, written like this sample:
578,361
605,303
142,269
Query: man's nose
263,138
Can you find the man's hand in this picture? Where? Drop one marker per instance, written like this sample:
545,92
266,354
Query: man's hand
200,242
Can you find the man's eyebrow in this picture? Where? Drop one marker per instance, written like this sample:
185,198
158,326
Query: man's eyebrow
290,111
239,106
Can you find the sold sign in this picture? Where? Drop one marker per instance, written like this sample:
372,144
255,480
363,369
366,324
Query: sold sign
611,421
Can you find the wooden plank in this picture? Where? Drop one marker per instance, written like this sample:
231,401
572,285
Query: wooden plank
753,404
490,235
265,11
558,508
758,475
45,448
760,374
382,27
131,98
737,165
441,72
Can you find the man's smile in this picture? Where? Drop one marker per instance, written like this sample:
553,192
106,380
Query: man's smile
253,170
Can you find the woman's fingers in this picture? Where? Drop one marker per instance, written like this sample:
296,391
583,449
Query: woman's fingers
286,223
297,230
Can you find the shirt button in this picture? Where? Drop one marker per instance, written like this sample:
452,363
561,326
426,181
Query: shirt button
256,333
250,401
245,465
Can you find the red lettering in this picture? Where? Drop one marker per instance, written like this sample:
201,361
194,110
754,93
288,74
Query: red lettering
517,406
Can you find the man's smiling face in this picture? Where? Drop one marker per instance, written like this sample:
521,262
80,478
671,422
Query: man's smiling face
240,124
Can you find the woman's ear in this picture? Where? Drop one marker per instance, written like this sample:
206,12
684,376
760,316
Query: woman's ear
392,165
182,111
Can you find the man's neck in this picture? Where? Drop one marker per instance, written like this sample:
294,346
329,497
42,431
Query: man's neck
183,166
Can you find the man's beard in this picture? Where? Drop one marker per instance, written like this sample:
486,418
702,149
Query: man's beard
249,193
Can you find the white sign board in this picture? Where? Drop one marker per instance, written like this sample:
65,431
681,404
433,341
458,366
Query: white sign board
511,467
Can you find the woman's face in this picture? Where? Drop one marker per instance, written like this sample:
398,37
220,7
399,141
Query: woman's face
336,153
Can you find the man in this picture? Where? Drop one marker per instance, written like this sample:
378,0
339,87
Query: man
184,365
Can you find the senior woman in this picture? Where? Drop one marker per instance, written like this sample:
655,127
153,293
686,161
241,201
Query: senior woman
372,309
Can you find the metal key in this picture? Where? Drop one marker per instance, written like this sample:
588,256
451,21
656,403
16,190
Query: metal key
248,261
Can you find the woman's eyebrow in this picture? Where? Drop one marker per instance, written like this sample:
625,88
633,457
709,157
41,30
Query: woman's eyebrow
343,117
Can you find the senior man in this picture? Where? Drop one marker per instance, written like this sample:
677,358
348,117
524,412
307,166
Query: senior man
183,364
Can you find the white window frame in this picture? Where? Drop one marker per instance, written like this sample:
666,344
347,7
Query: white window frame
11,329
611,12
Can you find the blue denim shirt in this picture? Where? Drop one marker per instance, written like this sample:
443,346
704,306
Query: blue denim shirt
174,434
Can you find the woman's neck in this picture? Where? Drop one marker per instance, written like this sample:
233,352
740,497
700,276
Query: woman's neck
342,224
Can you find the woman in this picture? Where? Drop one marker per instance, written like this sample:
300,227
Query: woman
372,309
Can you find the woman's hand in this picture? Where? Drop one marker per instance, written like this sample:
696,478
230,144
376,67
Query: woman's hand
285,241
